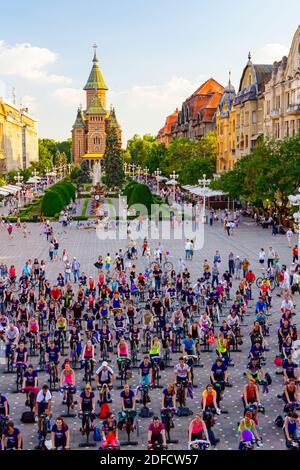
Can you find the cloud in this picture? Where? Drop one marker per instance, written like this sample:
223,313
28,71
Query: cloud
70,96
162,97
144,108
2,88
29,62
270,53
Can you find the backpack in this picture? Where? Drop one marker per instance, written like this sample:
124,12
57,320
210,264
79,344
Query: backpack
183,411
97,435
144,413
268,379
28,417
279,421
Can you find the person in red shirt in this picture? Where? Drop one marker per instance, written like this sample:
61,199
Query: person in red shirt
55,293
250,277
12,273
157,433
295,253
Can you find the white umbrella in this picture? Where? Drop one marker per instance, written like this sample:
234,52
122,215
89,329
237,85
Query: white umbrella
161,178
172,183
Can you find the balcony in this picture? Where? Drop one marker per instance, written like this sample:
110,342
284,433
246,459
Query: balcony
275,113
294,108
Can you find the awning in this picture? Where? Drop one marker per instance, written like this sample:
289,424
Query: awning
11,189
4,193
93,155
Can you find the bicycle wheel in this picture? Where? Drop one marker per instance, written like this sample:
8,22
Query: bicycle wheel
168,266
272,286
259,282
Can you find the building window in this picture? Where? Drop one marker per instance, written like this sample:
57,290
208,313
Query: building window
277,101
246,142
254,116
287,129
97,141
268,108
79,149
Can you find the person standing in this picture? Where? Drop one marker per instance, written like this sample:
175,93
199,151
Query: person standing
231,263
76,269
271,257
262,257
289,236
238,267
245,264
295,254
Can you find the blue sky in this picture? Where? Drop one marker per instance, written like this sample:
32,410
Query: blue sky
152,54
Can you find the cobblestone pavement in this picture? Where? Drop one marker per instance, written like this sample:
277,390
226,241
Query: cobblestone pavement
86,247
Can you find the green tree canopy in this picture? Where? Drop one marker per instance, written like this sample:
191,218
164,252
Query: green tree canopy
112,162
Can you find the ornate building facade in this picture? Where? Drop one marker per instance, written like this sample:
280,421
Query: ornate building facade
226,130
18,137
91,125
282,95
249,106
197,116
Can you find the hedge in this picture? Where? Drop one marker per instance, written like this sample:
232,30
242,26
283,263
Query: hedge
53,203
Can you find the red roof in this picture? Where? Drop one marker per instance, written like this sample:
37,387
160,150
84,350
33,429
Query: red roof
169,122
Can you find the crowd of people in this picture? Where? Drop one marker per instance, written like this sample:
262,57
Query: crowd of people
96,328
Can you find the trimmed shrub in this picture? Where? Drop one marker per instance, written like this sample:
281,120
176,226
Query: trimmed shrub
64,191
71,189
141,194
129,190
53,203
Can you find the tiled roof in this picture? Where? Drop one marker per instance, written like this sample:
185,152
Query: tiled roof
79,120
96,80
96,106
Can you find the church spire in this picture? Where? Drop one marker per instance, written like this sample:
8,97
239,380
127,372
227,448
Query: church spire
96,80
95,59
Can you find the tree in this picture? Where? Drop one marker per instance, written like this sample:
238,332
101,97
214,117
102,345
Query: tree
84,174
138,147
267,176
112,162
45,157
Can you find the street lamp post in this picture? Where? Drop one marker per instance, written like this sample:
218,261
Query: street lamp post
19,180
157,174
174,177
132,168
204,183
35,174
125,168
295,201
139,170
146,174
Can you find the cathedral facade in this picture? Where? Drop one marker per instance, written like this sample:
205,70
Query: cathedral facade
92,124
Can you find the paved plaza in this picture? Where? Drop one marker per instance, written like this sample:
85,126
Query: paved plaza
84,244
